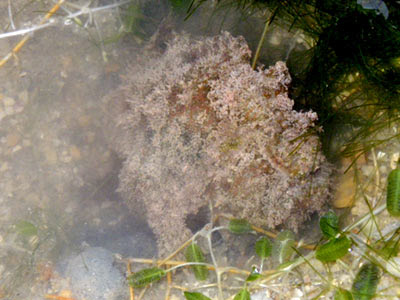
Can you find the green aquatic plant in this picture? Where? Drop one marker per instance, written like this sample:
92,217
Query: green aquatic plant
263,247
242,295
239,226
26,229
333,250
329,225
145,277
197,261
194,254
350,90
372,252
366,282
195,296
282,248
342,294
349,73
393,193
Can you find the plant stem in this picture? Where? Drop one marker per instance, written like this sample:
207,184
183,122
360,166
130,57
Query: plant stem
214,261
261,42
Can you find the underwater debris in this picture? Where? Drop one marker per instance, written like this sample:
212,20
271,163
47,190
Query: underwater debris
196,124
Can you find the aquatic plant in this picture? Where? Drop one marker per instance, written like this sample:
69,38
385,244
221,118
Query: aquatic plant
199,125
349,72
393,193
364,282
357,261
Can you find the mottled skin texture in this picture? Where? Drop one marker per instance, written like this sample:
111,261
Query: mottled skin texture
199,125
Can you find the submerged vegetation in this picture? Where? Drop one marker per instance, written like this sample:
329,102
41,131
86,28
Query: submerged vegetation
207,129
348,250
350,73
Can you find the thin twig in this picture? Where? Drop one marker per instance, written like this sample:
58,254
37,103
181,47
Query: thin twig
169,284
148,261
214,261
25,38
131,290
43,24
377,174
26,30
175,252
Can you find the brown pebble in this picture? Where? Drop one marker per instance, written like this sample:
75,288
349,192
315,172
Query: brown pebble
84,120
13,139
75,152
23,96
66,293
112,68
33,199
90,137
50,155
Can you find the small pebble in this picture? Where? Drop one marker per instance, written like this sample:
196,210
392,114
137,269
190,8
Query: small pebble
19,108
84,120
367,170
23,96
26,143
16,148
90,137
9,110
298,293
12,139
8,101
50,155
4,167
33,199
75,152
66,294
381,155
66,159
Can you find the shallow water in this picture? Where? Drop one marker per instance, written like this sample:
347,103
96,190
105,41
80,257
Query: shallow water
62,221
58,173
59,208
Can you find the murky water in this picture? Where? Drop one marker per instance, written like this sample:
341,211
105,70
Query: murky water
62,221
58,173
60,214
